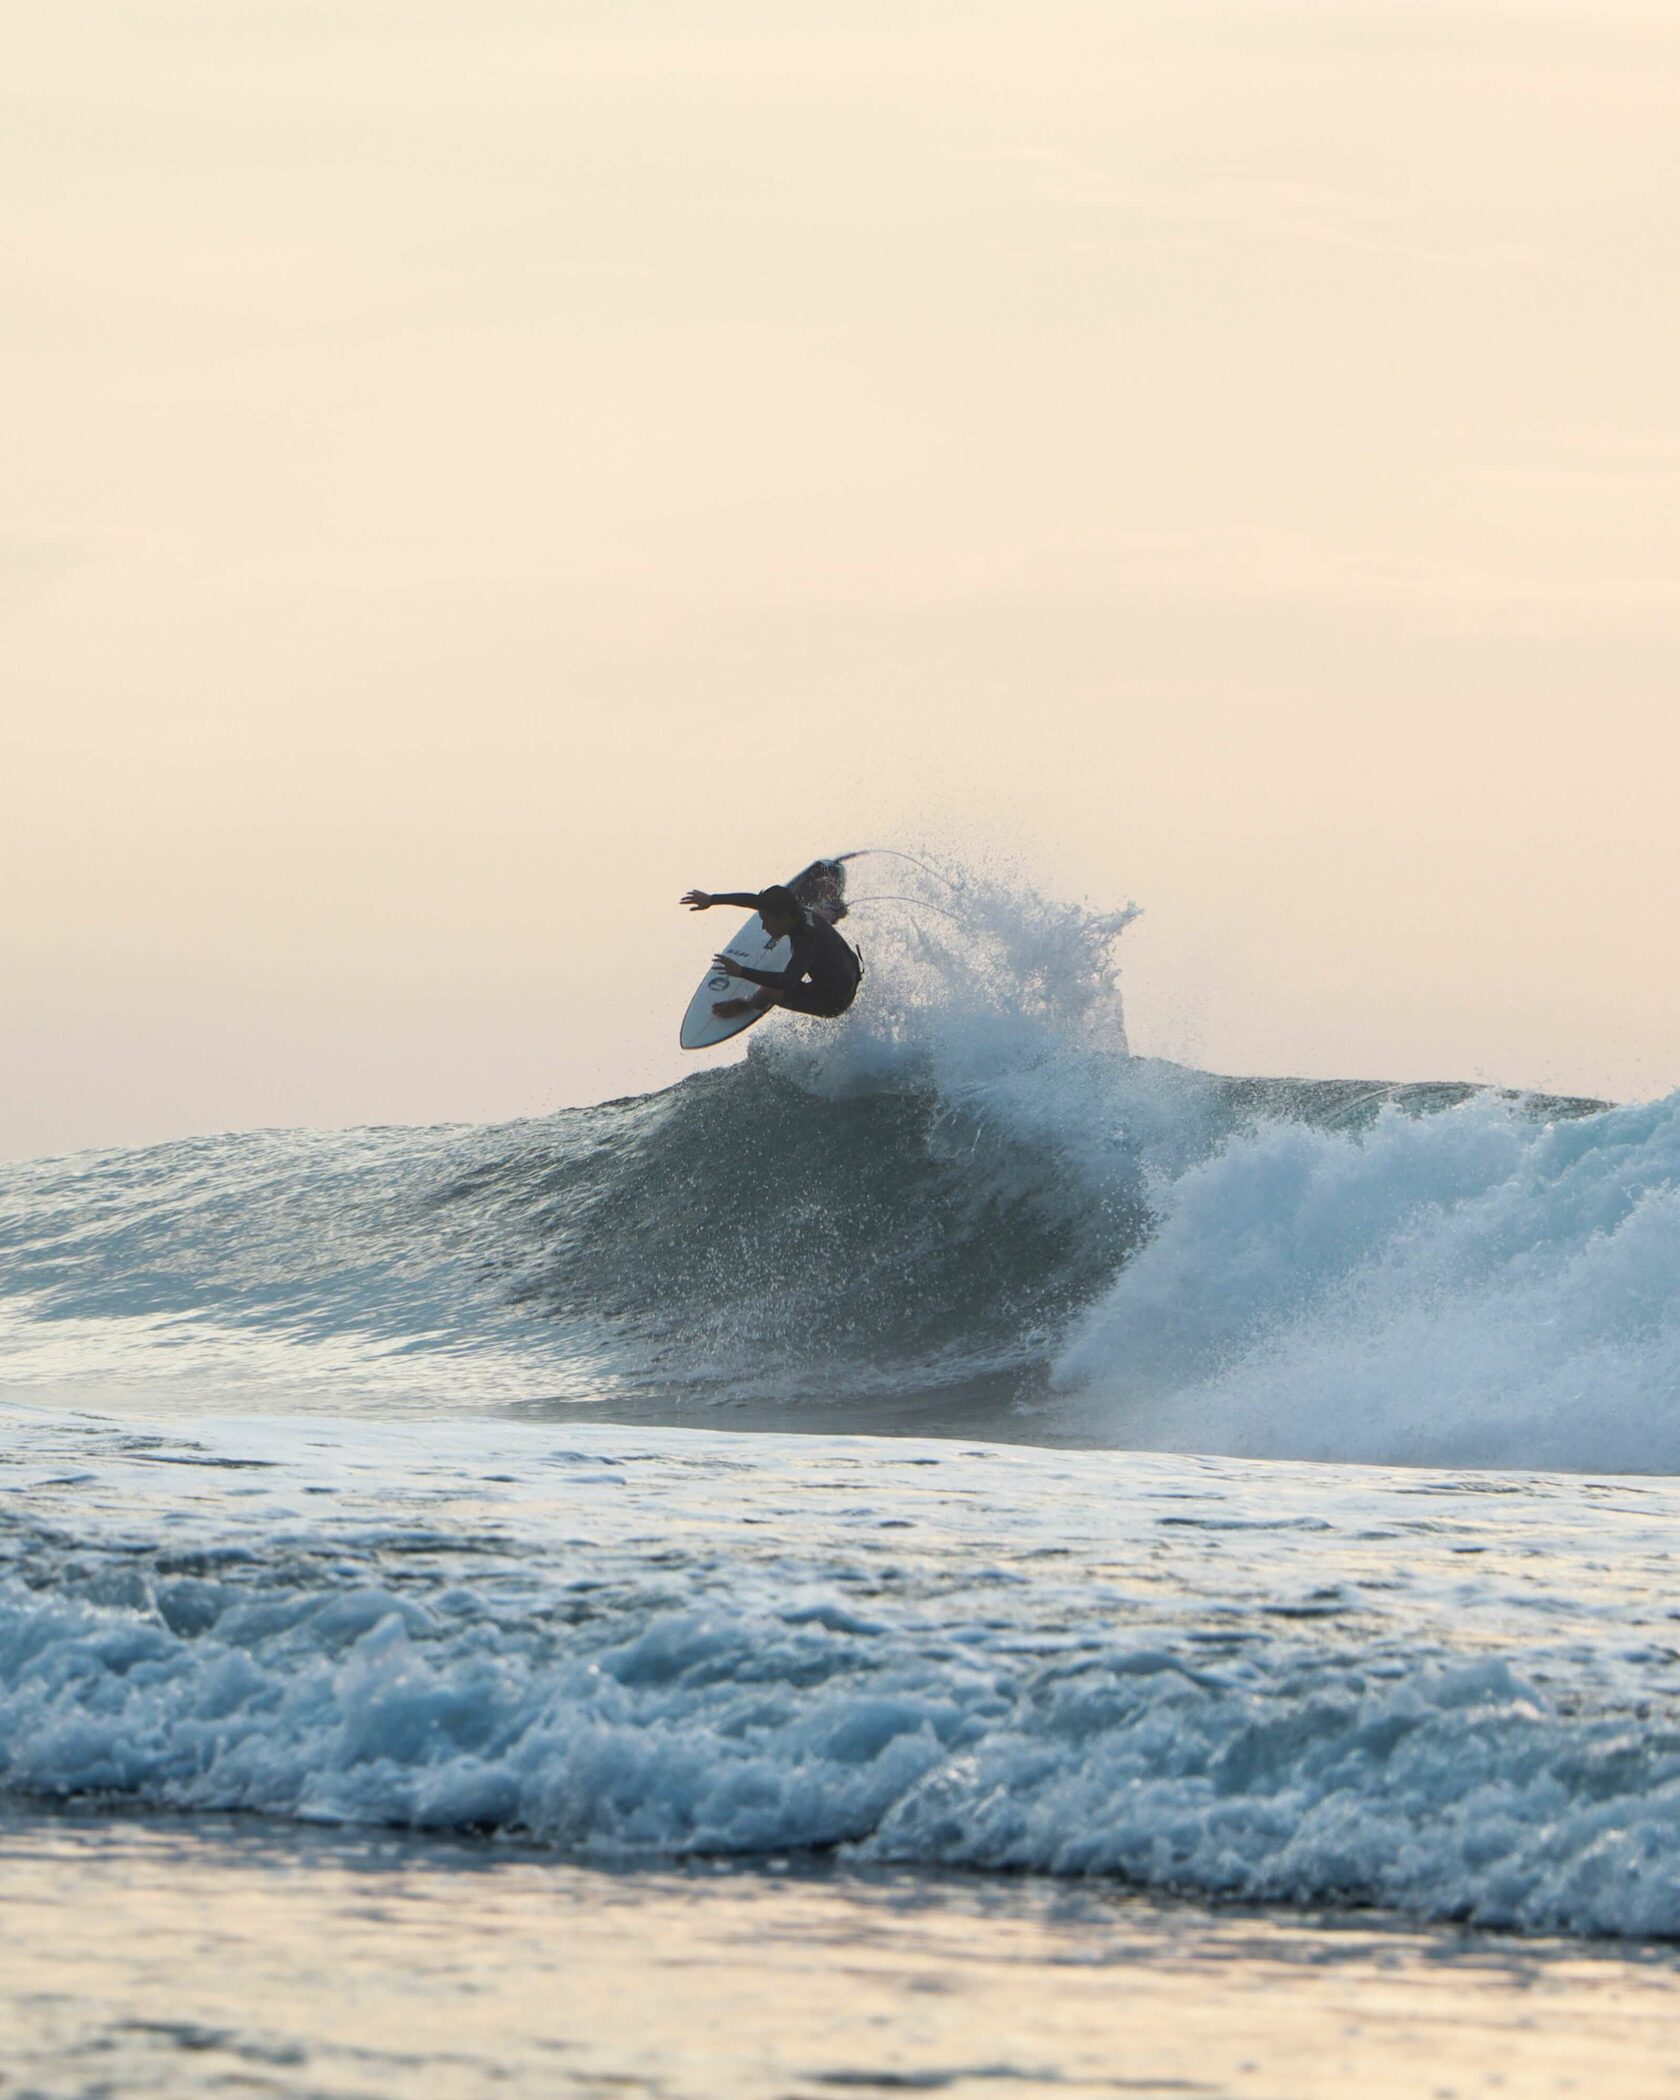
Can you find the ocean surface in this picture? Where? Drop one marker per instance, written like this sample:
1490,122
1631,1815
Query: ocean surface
942,1490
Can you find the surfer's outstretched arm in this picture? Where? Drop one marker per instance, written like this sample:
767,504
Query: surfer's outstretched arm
703,900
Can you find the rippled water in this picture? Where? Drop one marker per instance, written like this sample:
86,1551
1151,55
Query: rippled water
188,1958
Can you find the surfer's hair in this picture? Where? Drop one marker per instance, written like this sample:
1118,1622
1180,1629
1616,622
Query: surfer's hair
778,902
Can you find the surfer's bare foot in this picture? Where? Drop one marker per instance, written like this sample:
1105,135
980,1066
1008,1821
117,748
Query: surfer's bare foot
727,1009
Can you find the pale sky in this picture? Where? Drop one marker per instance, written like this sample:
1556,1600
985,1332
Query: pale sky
473,470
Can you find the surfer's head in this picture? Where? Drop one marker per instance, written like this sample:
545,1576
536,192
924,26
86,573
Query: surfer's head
779,908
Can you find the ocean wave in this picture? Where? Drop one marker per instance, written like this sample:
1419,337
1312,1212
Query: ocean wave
966,1197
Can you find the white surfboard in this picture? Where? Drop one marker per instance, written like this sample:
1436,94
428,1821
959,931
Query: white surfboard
701,1028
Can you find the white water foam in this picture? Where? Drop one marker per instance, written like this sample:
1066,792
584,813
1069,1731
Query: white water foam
1462,1288
1258,1682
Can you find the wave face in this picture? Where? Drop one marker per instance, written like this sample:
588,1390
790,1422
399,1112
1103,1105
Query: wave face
1441,1695
964,1206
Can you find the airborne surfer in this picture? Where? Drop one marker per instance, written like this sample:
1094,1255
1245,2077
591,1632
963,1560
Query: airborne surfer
823,975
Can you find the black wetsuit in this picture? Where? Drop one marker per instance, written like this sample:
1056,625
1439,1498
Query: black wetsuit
819,954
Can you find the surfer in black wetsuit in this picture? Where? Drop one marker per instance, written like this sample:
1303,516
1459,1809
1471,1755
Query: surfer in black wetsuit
824,973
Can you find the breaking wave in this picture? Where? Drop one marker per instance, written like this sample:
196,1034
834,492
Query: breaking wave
966,1202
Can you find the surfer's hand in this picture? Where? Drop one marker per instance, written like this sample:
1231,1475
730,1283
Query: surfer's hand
727,964
696,900
727,1009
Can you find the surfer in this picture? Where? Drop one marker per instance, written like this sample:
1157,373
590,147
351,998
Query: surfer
823,975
